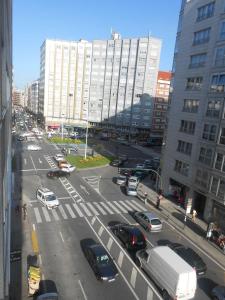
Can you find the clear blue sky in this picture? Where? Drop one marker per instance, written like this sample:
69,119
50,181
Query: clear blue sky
36,20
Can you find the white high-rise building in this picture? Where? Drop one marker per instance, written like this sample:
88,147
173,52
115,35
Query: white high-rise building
193,164
108,82
32,101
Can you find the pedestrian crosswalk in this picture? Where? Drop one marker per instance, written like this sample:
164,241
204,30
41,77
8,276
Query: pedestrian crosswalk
51,163
85,209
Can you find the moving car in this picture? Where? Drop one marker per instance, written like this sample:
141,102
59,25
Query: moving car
59,157
47,197
131,191
101,262
67,168
116,163
33,147
148,220
126,172
218,292
57,174
121,180
191,257
130,236
133,181
140,166
174,276
140,174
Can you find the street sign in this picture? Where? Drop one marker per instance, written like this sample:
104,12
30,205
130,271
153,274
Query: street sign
15,255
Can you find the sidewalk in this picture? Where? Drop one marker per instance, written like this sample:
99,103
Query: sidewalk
174,215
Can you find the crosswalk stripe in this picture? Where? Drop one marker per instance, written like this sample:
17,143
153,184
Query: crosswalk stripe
37,215
127,207
93,209
55,215
87,211
113,207
120,207
62,211
99,208
78,210
46,214
132,205
72,214
139,205
107,208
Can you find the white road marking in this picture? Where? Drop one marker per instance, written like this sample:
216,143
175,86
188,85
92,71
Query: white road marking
82,289
40,259
149,294
132,205
109,244
127,207
120,259
46,214
62,211
37,215
60,233
106,208
34,228
139,205
33,163
78,210
100,208
101,229
27,170
133,277
120,207
40,161
87,211
55,215
72,214
113,207
93,209
84,189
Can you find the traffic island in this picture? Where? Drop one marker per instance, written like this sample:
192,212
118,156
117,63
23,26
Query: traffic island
90,162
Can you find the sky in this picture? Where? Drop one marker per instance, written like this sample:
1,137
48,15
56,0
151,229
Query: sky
37,20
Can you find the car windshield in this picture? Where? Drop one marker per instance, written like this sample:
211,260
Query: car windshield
155,222
103,259
50,197
121,178
132,180
132,189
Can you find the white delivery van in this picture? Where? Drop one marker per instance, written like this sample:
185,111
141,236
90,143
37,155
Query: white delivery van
174,276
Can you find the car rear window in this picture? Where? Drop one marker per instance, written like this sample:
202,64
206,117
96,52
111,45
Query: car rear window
155,222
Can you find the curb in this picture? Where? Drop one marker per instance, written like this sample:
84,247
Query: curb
92,168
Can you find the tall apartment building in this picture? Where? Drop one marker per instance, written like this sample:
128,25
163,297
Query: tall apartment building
18,97
107,81
32,99
160,106
5,144
193,160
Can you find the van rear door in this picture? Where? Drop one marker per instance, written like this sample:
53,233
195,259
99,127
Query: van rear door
186,286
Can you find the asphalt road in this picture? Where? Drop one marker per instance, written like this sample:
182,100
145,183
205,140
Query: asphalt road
90,203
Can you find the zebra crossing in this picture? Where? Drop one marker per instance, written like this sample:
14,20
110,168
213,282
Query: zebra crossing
70,211
50,162
93,181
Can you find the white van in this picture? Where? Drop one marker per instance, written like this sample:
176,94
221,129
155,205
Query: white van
174,276
47,197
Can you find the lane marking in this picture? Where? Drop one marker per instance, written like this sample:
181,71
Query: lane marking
149,294
60,233
46,214
37,215
143,208
114,208
54,213
109,244
78,210
133,277
62,211
120,259
33,163
107,208
34,241
82,289
125,205
120,207
72,214
40,161
87,211
100,231
100,208
93,209
132,205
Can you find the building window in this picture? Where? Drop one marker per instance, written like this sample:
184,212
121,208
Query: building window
217,83
209,132
222,136
191,105
214,185
219,164
201,37
221,190
202,178
184,147
194,83
213,109
205,156
220,57
197,61
222,31
206,11
187,127
181,167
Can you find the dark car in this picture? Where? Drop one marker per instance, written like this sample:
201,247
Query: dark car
130,236
116,163
191,257
140,174
20,138
57,174
101,262
126,172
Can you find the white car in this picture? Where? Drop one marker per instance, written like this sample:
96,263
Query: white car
67,168
121,180
131,191
33,147
59,157
140,166
47,197
133,181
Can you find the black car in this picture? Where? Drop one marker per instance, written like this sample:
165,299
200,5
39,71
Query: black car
140,174
20,138
57,173
101,262
130,236
126,172
191,257
116,163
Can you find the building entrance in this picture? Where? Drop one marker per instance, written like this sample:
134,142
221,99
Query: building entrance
199,204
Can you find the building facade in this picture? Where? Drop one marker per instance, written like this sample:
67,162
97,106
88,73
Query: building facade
193,160
18,97
107,82
160,106
5,144
32,97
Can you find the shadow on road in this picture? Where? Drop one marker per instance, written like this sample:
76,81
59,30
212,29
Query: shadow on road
206,285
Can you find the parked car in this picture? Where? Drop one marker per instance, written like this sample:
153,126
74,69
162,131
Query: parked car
130,236
57,174
191,257
101,262
174,276
133,181
140,166
218,293
131,191
47,197
121,180
149,221
116,163
33,147
126,172
59,157
140,174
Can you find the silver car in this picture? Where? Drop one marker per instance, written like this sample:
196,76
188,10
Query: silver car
149,221
131,191
121,180
218,293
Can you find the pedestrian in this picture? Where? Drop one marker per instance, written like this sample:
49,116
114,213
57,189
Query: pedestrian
145,197
209,234
159,198
24,207
194,215
17,209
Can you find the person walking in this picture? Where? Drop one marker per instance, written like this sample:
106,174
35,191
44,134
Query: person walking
159,198
194,215
24,207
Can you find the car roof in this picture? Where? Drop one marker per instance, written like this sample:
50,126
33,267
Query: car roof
132,229
133,177
98,249
45,191
150,215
